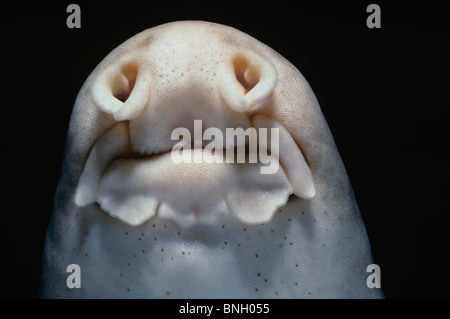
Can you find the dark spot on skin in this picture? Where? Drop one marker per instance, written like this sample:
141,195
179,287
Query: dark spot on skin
165,226
168,293
225,243
260,232
154,239
139,238
85,254
143,251
134,256
281,245
296,265
265,280
326,229
143,234
276,293
289,220
245,229
128,264
248,237
314,220
126,233
223,226
271,230
323,245
189,252
303,213
309,293
179,233
183,252
256,255
259,275
128,289
285,238
154,225
162,249
290,244
182,74
239,245
325,212
121,275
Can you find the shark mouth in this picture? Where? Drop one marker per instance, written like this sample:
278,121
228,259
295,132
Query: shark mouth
134,186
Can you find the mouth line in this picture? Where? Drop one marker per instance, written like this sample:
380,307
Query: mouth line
233,144
224,151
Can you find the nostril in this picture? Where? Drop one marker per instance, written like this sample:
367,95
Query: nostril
247,81
121,89
124,82
246,74
122,96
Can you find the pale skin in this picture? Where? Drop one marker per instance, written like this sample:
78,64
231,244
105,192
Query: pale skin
140,226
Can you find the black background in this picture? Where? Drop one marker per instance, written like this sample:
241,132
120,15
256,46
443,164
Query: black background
383,92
